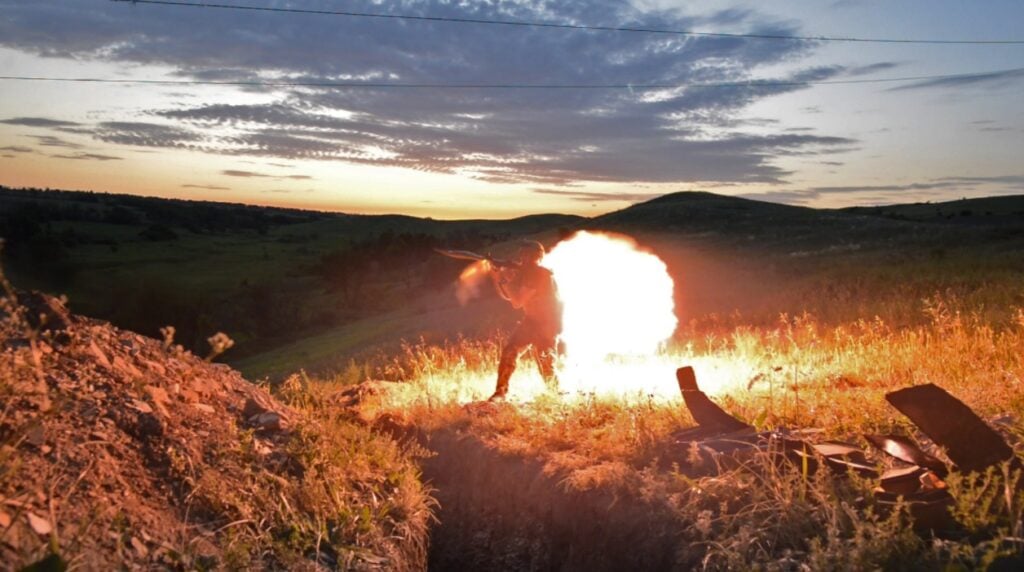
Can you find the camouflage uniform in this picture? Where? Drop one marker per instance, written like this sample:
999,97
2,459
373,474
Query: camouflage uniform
533,290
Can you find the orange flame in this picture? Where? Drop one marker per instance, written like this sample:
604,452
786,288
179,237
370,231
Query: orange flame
618,310
471,280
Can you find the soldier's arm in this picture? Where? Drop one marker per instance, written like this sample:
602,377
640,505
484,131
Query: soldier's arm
510,287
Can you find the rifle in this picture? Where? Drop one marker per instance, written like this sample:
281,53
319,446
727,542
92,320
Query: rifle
468,255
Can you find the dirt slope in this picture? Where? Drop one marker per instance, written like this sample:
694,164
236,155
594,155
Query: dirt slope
120,450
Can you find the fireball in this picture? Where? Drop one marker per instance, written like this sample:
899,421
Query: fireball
616,298
618,313
618,316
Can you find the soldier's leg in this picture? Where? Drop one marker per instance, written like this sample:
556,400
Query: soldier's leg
544,354
510,353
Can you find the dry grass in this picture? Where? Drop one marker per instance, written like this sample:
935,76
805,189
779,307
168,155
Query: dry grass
798,373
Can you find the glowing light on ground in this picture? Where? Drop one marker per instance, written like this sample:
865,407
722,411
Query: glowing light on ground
630,380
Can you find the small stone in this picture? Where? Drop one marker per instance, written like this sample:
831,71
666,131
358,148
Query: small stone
159,397
126,369
38,523
100,356
203,407
35,436
253,408
155,366
139,547
5,519
141,406
269,421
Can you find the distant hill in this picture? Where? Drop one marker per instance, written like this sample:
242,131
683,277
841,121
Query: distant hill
734,220
985,210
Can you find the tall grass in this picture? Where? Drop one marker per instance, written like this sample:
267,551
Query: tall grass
796,373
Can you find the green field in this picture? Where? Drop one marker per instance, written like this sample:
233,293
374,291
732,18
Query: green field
299,289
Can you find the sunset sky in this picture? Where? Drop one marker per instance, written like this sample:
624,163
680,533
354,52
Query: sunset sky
495,153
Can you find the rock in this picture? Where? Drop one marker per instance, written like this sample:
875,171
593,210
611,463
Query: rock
140,547
35,436
141,406
154,366
253,407
126,369
99,355
5,519
269,421
189,396
159,397
39,524
203,407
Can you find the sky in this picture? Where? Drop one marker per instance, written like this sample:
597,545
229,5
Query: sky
498,153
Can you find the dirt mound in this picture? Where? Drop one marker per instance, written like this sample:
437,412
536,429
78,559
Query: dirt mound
117,448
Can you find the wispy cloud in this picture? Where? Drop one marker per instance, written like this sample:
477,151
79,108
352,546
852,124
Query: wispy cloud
244,174
38,122
993,80
88,157
53,141
872,68
16,149
206,187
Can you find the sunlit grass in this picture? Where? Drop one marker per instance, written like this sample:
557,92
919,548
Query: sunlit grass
797,373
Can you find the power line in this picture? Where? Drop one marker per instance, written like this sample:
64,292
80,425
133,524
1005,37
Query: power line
556,25
628,86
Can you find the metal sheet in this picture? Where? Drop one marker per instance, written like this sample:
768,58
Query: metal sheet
969,442
705,412
906,450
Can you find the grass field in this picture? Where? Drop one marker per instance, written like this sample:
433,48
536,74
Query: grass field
793,318
797,373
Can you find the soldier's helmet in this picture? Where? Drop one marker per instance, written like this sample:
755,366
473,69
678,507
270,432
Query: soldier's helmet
530,252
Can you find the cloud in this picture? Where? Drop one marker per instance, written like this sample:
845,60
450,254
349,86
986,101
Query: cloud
16,149
38,122
543,137
144,134
872,68
206,187
257,175
244,174
88,157
52,141
993,80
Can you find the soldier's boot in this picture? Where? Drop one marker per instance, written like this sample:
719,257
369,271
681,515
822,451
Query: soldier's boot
506,366
546,366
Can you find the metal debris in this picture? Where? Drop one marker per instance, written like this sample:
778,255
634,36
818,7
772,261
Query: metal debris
705,412
969,442
917,484
906,450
